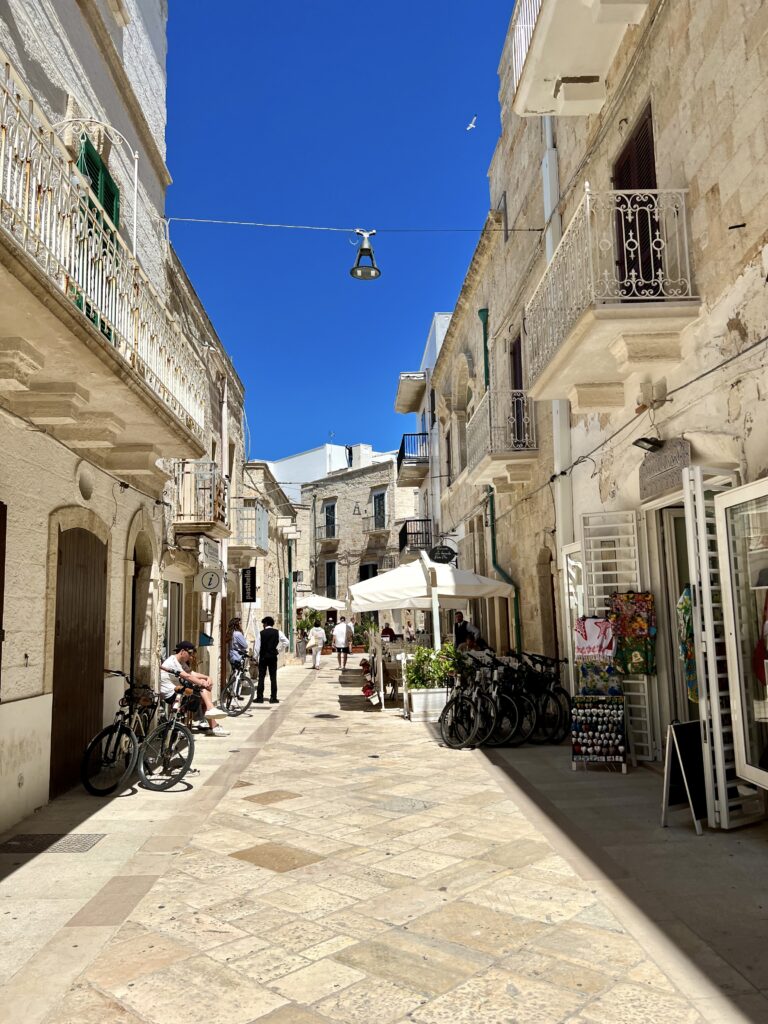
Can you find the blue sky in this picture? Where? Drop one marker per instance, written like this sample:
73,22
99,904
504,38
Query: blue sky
329,113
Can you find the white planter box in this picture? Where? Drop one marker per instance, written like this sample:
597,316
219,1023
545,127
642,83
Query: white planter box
426,705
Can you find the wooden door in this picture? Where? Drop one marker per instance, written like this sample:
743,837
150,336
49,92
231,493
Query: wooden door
78,653
638,261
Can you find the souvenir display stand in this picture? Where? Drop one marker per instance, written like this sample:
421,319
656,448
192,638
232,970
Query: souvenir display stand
598,731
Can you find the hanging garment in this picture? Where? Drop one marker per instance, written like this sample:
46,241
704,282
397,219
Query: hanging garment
598,677
634,618
594,640
686,647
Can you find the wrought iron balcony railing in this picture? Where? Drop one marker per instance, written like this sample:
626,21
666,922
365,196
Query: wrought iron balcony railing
620,247
200,494
377,523
413,448
416,534
249,522
48,210
503,423
327,531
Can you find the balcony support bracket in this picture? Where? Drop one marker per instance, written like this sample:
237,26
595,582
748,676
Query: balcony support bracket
593,397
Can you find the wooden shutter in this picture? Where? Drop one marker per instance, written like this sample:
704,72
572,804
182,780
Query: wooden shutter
103,184
612,563
635,167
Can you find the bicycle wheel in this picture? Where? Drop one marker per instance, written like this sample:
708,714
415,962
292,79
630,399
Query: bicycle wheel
506,723
487,712
458,722
109,760
165,756
547,718
526,720
237,695
563,698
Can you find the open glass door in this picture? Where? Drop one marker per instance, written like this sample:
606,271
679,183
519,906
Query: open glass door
742,526
729,803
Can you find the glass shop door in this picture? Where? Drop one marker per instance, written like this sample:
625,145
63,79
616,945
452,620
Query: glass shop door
742,528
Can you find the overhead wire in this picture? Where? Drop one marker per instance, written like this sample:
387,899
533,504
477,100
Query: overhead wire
342,230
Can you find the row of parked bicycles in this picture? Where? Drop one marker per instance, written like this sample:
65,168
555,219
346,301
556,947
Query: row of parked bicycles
505,702
152,736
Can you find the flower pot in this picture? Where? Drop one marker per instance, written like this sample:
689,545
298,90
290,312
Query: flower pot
358,649
426,705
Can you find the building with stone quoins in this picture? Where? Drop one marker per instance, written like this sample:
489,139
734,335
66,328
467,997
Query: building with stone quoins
600,390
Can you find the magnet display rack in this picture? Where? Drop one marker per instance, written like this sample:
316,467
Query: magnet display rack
598,731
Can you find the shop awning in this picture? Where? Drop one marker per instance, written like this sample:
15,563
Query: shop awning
317,602
425,584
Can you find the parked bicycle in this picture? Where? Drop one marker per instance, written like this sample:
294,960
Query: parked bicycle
166,754
110,758
239,690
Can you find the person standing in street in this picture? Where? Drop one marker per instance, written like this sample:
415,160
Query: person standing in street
238,645
316,639
462,629
269,643
341,641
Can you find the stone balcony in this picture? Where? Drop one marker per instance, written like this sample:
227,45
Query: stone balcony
327,534
561,51
88,349
249,525
413,460
501,439
415,536
410,391
199,499
614,300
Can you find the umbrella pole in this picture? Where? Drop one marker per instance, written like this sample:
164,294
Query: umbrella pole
436,618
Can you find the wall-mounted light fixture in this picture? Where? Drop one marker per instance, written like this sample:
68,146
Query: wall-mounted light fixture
649,444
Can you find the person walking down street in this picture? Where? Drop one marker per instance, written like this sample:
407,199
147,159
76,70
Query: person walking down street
316,639
342,640
269,643
238,645
179,662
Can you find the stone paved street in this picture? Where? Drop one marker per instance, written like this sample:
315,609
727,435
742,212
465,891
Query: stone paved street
328,864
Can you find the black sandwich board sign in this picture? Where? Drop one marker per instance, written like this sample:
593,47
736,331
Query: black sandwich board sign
248,585
684,783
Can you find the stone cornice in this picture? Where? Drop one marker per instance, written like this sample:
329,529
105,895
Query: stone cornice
471,280
95,20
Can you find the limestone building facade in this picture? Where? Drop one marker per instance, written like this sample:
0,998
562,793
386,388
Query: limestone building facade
120,412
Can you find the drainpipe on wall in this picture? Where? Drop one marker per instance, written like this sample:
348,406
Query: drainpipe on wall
483,314
290,593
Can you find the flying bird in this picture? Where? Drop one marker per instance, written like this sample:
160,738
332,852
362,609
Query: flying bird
472,124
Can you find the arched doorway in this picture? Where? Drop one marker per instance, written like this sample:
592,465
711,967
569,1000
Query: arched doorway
78,652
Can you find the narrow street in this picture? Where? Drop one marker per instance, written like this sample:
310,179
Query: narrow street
328,864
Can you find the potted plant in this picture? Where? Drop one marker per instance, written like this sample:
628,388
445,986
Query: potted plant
360,635
426,676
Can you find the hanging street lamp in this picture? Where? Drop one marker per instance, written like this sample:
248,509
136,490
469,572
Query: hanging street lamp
365,271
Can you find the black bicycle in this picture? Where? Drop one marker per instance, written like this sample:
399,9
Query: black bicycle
110,758
166,754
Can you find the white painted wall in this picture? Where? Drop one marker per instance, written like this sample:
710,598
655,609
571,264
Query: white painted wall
25,745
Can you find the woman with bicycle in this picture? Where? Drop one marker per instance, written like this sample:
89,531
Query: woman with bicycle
238,645
176,668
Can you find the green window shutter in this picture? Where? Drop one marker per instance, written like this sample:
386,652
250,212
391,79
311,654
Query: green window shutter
103,184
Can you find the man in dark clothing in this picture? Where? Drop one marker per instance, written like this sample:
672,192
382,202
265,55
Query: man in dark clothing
269,643
462,629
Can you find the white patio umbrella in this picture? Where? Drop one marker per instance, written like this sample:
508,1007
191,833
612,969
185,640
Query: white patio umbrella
425,584
317,602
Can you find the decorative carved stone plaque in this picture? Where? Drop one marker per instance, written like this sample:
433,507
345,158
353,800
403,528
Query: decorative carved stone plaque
661,471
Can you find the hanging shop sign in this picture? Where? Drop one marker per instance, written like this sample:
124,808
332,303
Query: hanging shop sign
209,581
598,731
210,552
442,553
661,471
248,585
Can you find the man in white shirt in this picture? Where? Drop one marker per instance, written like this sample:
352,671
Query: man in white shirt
178,662
341,640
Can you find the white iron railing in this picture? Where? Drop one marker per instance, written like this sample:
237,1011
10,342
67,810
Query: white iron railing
620,247
200,492
521,29
249,524
48,210
502,422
